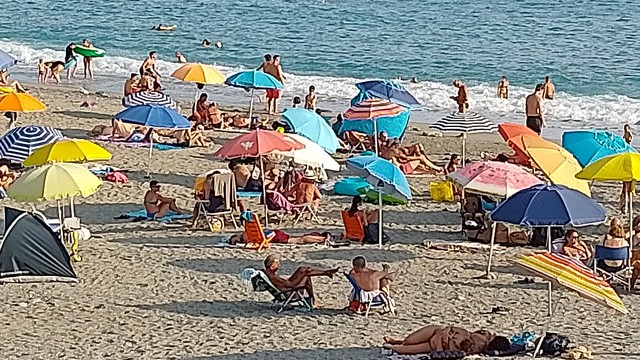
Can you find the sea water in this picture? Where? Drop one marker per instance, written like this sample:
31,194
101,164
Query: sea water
589,48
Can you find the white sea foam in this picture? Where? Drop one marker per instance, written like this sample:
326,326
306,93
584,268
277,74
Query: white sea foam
567,111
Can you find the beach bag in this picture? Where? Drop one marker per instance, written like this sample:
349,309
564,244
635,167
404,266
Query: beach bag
441,191
555,344
371,235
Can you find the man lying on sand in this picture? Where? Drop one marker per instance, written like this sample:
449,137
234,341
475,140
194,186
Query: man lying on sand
300,278
158,206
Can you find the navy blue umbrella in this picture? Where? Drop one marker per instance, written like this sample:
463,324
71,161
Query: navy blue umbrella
389,90
6,60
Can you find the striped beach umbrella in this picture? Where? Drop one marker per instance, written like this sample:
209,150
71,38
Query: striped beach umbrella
149,97
371,109
465,123
18,143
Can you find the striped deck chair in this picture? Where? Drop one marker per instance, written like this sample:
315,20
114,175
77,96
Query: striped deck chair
282,300
369,299
256,239
353,229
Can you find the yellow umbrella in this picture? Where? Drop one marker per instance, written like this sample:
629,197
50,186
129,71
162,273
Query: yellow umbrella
67,150
55,181
199,73
20,102
556,163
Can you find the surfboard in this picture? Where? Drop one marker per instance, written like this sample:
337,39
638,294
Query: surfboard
89,52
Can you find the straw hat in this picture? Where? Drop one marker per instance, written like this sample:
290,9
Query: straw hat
309,174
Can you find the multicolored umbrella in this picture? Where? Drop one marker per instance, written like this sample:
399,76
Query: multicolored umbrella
67,150
588,146
389,90
312,126
371,110
252,80
494,178
464,123
149,97
18,143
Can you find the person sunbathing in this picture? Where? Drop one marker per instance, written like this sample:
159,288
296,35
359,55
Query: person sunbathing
576,248
280,237
366,217
307,192
191,138
354,139
240,122
370,279
442,338
418,163
5,82
301,277
213,118
156,205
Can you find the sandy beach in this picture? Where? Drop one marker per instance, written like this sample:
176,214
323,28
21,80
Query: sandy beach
150,290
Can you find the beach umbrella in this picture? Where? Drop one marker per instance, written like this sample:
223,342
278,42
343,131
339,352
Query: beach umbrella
312,155
154,117
312,126
464,123
55,181
14,102
513,135
257,144
588,146
371,110
252,80
149,97
389,90
546,206
555,162
6,60
67,151
384,176
198,73
494,178
18,143
573,275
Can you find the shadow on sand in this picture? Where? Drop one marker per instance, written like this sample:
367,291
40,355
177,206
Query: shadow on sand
340,353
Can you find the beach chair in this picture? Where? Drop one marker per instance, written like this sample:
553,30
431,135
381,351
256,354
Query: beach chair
621,275
256,239
282,207
215,220
353,229
282,300
369,299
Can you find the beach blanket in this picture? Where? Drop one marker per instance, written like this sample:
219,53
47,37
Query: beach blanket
461,246
164,147
142,215
248,194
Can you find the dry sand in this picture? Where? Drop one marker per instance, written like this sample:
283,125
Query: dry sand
154,291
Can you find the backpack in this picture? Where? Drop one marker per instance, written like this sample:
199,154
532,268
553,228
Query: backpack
371,235
555,344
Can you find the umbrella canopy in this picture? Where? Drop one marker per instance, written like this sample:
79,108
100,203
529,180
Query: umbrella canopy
494,178
18,143
588,146
55,181
153,116
20,102
468,123
511,130
312,126
621,167
257,143
198,73
253,79
574,276
149,97
394,126
6,60
371,109
555,162
376,170
312,154
389,90
67,150
549,205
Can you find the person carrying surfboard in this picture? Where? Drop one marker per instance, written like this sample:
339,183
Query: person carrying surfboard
149,65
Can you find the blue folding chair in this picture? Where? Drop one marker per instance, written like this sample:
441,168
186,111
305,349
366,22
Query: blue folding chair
621,274
380,301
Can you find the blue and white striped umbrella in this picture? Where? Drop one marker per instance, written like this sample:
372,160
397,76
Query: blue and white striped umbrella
18,143
149,97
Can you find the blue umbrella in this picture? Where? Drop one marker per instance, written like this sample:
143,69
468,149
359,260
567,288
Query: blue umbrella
253,79
385,177
389,90
312,126
153,116
547,206
588,146
18,143
6,60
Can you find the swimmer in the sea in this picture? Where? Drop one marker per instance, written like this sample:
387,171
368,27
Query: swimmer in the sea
180,57
206,43
414,80
161,27
218,44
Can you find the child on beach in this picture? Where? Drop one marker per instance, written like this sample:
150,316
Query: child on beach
42,72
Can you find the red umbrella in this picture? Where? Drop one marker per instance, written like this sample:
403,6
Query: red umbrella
257,143
371,109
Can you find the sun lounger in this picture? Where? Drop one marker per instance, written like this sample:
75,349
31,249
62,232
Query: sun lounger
256,239
353,229
282,300
369,299
278,203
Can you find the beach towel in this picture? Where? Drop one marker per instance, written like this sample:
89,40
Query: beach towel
248,194
164,147
142,215
359,299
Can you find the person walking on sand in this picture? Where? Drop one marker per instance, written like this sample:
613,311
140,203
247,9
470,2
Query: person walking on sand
149,66
463,96
503,88
274,69
549,89
88,70
533,110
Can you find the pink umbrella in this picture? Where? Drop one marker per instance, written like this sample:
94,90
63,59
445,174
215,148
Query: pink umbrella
494,178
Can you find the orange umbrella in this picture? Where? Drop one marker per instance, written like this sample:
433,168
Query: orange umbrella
14,102
513,135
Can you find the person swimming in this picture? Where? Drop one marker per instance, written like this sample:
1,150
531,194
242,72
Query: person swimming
206,43
162,27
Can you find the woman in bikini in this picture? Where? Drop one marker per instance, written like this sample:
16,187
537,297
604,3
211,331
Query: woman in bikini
503,88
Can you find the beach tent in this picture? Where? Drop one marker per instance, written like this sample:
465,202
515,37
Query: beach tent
31,252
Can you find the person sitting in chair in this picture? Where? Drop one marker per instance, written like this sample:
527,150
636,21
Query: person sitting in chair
301,277
614,239
366,217
576,248
369,279
307,192
158,206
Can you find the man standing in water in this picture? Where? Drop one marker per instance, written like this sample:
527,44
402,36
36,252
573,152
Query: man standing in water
149,65
463,96
533,110
274,69
549,89
503,88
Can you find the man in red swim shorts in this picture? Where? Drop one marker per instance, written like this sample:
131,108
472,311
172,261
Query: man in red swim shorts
274,69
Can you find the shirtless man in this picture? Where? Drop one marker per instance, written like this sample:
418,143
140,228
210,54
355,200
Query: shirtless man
463,96
274,69
158,206
369,279
549,89
149,65
131,85
503,88
181,59
300,278
265,63
533,110
307,192
310,99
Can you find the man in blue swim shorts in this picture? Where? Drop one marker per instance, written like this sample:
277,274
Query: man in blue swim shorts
158,206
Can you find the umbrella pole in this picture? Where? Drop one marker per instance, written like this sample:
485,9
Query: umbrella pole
60,229
549,285
380,218
493,239
545,329
264,193
71,205
375,134
464,148
251,105
150,153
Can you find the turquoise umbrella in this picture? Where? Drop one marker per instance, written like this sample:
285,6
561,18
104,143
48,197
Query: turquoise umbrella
312,126
252,80
588,146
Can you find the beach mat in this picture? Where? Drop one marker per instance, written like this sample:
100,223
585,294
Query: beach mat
248,194
462,246
164,147
142,215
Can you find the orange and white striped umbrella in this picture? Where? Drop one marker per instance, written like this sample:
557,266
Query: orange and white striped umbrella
372,109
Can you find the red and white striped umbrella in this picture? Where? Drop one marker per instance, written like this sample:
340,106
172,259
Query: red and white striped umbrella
372,109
